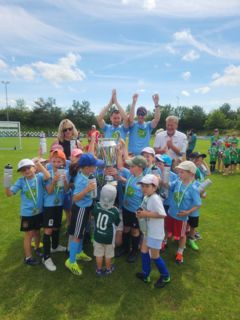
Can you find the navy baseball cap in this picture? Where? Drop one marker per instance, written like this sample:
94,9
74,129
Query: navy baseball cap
88,160
141,111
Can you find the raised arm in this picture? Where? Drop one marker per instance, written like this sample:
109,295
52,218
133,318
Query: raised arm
121,110
132,109
101,115
157,113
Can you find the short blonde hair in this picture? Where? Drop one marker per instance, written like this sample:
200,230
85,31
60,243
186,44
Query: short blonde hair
172,118
66,123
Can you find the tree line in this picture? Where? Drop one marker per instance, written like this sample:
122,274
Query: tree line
46,115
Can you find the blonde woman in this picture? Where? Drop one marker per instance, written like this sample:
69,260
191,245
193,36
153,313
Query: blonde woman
67,137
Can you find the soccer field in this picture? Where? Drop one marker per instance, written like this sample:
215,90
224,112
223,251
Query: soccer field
206,286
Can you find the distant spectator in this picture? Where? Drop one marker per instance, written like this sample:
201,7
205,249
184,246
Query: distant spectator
192,139
95,132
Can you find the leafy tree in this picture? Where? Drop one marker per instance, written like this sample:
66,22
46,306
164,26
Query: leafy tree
216,119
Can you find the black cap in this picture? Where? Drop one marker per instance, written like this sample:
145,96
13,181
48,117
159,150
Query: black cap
197,154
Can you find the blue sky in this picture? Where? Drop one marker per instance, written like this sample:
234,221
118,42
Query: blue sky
187,51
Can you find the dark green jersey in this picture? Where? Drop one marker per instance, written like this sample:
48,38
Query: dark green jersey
227,156
213,153
234,154
105,223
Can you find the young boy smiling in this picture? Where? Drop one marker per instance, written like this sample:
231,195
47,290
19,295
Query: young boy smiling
186,200
32,187
152,210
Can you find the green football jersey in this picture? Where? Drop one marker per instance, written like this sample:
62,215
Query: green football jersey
106,221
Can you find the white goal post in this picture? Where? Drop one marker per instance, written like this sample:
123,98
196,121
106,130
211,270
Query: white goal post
10,135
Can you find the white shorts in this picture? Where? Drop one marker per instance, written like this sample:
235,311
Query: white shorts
103,250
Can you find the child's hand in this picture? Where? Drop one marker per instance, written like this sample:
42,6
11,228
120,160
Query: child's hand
183,213
91,186
142,214
56,177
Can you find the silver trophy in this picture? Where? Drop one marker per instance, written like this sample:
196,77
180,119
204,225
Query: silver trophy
107,151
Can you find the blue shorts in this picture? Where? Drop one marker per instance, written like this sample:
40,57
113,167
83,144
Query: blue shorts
153,243
67,201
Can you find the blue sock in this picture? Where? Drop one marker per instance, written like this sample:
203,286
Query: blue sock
146,264
162,268
80,245
73,251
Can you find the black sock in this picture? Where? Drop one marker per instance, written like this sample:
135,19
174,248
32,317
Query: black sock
135,243
126,241
55,238
46,246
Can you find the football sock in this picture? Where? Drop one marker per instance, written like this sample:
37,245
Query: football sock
146,264
46,246
162,268
135,243
180,250
126,241
55,238
73,251
80,246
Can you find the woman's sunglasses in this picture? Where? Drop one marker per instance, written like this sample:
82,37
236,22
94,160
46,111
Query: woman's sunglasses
67,129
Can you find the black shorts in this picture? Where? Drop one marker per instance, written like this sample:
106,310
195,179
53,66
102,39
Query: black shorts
193,222
234,162
212,162
79,221
226,165
130,219
31,223
52,217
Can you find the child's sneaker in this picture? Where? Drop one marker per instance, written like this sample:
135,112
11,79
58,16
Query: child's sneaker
38,252
59,248
100,272
141,276
73,267
110,271
31,262
34,246
83,256
197,236
161,282
192,243
48,263
179,258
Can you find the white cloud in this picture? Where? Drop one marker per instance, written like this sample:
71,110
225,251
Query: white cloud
202,90
3,65
185,93
65,70
25,72
186,37
231,77
186,75
215,75
149,4
170,49
191,56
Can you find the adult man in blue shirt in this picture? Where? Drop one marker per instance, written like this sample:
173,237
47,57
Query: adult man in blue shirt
139,130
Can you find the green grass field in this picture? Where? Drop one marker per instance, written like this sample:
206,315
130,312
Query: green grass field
206,286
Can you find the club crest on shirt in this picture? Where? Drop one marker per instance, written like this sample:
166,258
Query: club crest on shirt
28,194
142,133
177,196
130,191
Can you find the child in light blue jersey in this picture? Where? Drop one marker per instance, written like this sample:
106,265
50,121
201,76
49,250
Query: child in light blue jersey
82,204
31,186
54,194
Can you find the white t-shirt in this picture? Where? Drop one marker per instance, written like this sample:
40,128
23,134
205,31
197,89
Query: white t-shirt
179,140
155,226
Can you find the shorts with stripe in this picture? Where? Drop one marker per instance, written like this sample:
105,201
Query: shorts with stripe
175,228
79,221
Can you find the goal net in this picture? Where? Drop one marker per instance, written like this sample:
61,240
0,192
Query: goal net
10,135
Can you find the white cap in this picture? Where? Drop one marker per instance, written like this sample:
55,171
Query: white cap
93,126
148,150
187,166
25,163
107,196
150,179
